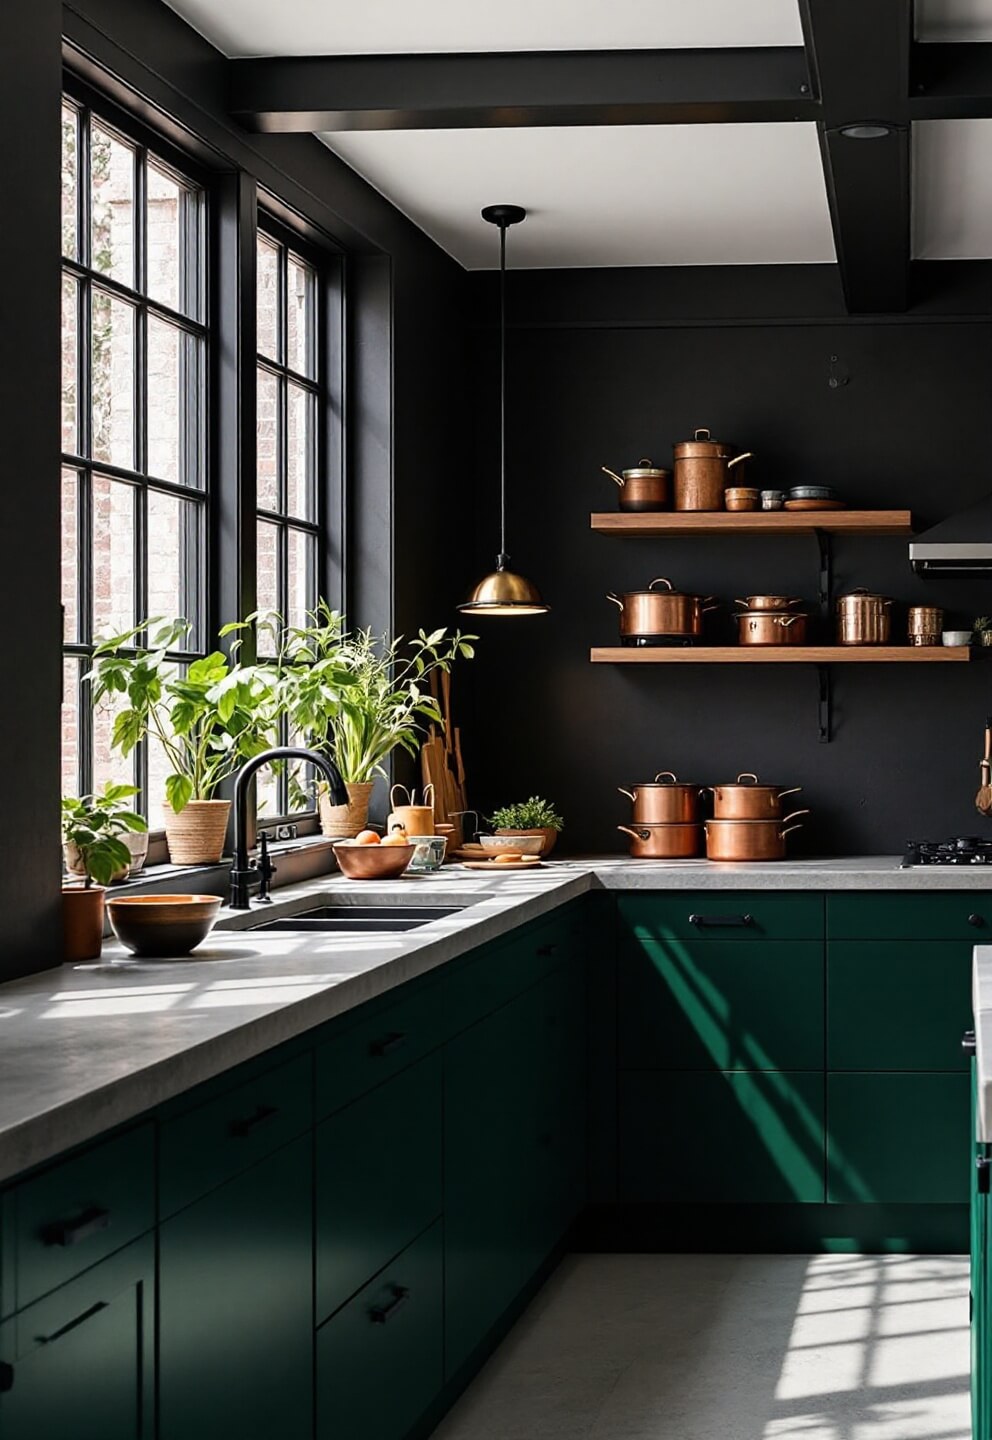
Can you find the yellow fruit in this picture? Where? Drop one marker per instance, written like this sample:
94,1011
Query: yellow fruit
398,837
367,837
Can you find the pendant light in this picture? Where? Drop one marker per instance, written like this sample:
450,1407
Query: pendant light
502,592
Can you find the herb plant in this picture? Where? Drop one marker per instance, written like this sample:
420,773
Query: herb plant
95,823
532,814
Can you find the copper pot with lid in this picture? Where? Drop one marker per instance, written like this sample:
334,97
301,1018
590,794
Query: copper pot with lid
664,842
660,615
747,799
770,627
863,619
644,487
664,801
702,471
742,840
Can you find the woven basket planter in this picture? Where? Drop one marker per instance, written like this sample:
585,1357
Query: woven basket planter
196,835
346,821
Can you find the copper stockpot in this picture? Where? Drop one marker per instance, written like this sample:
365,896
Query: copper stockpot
702,471
863,619
746,799
769,602
664,615
770,627
749,839
664,801
645,487
664,842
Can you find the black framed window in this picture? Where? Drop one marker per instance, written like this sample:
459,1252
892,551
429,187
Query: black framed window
134,419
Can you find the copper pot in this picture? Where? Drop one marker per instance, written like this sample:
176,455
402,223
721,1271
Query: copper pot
661,614
645,487
863,619
770,627
769,602
663,801
664,842
749,839
746,799
702,471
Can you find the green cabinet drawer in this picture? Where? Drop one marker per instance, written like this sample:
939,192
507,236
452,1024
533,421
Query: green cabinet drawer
963,915
897,1004
233,1131
81,1210
737,1138
380,1359
898,1139
235,1323
480,984
386,1039
378,1180
723,915
79,1364
720,1005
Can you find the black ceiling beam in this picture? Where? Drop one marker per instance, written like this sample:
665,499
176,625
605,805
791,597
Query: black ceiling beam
860,57
951,82
585,87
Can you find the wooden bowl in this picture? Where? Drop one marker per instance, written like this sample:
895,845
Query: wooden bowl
373,862
162,924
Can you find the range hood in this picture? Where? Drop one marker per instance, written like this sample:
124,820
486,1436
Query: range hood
961,545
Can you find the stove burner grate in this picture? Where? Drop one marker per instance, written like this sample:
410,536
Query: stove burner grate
959,850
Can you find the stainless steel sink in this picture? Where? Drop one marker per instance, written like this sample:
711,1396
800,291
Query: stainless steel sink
359,919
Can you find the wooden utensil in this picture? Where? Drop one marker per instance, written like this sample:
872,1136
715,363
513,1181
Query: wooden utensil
983,800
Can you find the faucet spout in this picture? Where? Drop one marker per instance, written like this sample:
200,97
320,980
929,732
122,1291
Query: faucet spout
243,874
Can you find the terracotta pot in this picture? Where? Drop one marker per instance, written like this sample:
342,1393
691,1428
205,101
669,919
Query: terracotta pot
82,923
196,835
550,837
76,865
345,821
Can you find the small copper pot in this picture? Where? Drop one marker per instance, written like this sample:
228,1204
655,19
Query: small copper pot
664,801
769,602
661,614
746,799
863,619
645,487
749,839
664,842
770,627
702,471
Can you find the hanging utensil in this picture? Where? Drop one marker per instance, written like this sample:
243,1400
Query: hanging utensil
983,800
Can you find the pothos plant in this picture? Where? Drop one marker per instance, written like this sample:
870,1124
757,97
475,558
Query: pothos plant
207,718
94,825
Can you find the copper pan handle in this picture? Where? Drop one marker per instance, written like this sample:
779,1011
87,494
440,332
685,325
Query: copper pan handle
615,598
669,773
746,775
629,793
748,455
786,620
794,816
788,830
794,791
705,609
661,580
635,834
612,474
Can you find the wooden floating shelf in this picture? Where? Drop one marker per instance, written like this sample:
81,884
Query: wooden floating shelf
753,522
779,654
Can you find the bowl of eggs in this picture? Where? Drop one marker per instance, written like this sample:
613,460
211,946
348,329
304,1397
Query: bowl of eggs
371,857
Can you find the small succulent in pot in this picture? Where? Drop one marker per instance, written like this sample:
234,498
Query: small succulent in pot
93,827
529,817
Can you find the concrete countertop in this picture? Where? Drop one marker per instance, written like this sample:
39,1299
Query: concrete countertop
86,1048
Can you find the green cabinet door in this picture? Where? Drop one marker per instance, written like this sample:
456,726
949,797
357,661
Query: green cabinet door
557,1121
721,1004
739,1137
895,1139
236,1307
79,1365
897,1004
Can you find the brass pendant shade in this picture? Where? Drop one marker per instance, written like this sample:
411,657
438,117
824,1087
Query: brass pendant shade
502,592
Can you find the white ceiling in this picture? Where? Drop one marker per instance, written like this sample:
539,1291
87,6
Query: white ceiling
328,27
965,20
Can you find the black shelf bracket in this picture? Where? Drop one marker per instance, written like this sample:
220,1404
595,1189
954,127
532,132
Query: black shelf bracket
825,597
826,704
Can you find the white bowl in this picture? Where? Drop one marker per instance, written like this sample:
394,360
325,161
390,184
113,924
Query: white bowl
956,637
515,844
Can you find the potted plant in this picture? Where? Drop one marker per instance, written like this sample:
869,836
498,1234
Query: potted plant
530,817
93,827
207,720
983,629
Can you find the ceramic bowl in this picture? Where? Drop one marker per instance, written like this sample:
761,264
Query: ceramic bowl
162,924
373,862
956,637
428,853
516,844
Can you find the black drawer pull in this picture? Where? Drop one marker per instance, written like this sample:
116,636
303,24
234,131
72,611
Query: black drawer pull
72,1232
982,1165
977,920
387,1044
546,949
72,1325
736,921
968,1043
379,1314
6,1377
240,1129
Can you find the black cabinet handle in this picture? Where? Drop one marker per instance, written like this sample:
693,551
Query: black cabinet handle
387,1044
737,921
240,1129
977,920
72,1232
6,1377
380,1314
546,949
968,1042
983,1165
72,1325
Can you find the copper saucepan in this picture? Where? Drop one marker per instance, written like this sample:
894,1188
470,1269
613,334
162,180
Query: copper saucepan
770,627
664,842
661,615
746,799
769,602
645,487
664,801
749,839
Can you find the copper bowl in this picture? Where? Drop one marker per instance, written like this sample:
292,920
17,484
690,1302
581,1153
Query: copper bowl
162,924
373,862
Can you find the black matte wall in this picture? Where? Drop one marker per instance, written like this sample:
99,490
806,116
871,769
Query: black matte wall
608,366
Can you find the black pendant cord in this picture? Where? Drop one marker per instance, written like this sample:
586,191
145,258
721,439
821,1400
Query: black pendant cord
503,557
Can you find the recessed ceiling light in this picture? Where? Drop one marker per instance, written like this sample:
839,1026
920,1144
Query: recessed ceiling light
866,132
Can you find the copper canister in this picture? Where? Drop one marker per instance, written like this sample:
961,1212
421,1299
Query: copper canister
924,624
702,471
863,619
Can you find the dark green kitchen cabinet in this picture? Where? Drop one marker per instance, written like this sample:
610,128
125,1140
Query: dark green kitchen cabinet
722,915
735,1138
897,1004
236,1306
898,1138
79,1364
939,915
380,1359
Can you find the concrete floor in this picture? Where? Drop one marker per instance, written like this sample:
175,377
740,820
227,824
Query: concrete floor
732,1347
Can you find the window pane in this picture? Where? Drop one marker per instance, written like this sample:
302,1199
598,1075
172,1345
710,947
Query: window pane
71,671
268,298
70,366
173,260
112,380
111,205
70,180
301,573
301,452
267,497
70,554
267,566
175,560
174,390
267,793
109,764
301,291
113,557
153,800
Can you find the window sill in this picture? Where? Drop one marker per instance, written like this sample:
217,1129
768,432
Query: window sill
304,858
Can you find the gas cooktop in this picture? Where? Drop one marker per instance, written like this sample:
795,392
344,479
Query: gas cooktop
960,850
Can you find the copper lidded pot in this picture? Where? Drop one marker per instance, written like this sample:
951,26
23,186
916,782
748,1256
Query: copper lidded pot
664,842
770,627
664,801
661,614
747,799
644,487
702,471
742,840
863,619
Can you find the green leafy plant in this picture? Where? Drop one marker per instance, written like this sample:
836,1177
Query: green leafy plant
532,814
982,623
94,824
208,720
